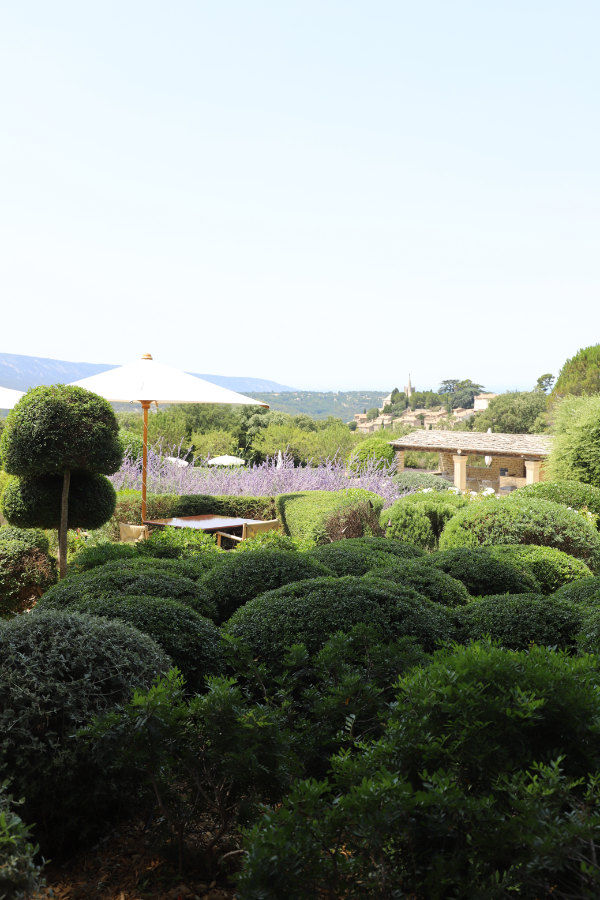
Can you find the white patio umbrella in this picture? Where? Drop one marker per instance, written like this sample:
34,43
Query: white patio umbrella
8,397
146,382
226,461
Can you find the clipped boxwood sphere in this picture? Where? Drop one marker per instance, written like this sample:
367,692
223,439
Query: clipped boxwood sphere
519,620
528,521
550,567
238,579
308,612
31,537
389,545
407,522
438,586
58,427
25,573
105,582
59,669
36,502
575,494
191,641
414,615
585,590
482,573
350,557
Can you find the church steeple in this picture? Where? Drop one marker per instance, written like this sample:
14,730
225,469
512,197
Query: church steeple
408,388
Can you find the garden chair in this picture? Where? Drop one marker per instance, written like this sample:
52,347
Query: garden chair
131,534
249,529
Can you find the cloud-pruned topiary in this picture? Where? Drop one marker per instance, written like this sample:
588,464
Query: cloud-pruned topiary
36,502
574,494
550,567
483,573
530,521
584,590
519,620
350,557
58,670
400,549
408,522
240,578
430,582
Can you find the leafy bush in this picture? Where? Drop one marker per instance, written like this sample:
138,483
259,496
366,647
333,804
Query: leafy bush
585,590
575,450
194,567
575,494
239,579
395,548
411,481
350,557
132,443
375,450
408,522
93,555
177,543
25,573
428,495
58,670
144,582
518,620
429,582
482,572
35,502
588,638
267,540
31,537
550,567
306,514
19,872
529,521
191,641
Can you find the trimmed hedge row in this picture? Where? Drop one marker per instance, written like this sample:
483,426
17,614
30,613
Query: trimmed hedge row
314,515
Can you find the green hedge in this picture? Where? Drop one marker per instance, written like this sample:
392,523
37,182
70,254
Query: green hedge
376,451
146,582
191,641
437,586
588,638
36,501
306,515
412,481
31,537
528,521
59,670
575,494
482,572
408,522
194,567
519,620
550,567
239,578
399,549
585,590
350,557
25,573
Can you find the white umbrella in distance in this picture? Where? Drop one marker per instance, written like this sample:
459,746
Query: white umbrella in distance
147,381
226,461
8,397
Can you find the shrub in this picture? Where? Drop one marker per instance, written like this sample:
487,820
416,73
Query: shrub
177,543
305,515
19,872
408,522
482,572
550,567
132,443
418,480
585,590
375,450
144,582
58,670
267,540
395,548
575,494
191,641
93,555
25,573
350,557
588,638
519,620
31,537
428,495
539,522
575,451
36,502
239,579
194,567
437,586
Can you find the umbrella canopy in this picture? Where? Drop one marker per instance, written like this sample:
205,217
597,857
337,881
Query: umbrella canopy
226,461
149,382
8,397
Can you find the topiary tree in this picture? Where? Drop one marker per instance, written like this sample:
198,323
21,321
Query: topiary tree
57,430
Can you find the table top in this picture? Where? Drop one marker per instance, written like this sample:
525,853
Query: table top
204,523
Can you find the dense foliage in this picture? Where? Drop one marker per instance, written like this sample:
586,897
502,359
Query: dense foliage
408,522
575,451
351,557
529,521
550,567
25,573
36,502
482,573
376,449
519,620
438,586
31,537
389,545
19,870
580,374
312,515
58,670
515,412
575,494
585,591
420,480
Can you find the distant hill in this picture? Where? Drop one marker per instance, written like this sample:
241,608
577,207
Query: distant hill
22,372
319,405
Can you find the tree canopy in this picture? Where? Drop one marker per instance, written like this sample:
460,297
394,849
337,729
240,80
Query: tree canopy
580,374
515,412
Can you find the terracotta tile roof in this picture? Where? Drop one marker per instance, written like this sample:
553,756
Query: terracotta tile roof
531,446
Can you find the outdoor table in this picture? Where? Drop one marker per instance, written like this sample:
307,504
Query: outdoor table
203,523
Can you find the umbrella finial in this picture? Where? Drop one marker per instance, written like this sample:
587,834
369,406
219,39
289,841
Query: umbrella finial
147,356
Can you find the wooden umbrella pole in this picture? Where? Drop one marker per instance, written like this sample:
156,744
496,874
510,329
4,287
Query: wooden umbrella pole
145,407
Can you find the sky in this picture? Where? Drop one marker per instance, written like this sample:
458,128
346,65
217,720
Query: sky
328,194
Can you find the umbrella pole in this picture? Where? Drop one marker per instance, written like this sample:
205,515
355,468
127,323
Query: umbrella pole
145,408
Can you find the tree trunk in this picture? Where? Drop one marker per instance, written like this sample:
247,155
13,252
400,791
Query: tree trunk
64,522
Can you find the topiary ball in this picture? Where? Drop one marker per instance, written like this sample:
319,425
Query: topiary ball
407,522
59,670
145,582
36,502
550,567
238,579
519,620
350,557
31,537
482,573
389,545
435,585
192,641
585,590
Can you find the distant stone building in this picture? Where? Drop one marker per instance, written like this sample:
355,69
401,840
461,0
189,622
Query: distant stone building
482,401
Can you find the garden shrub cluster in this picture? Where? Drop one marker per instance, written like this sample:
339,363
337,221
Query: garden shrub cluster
416,481
550,567
482,573
584,590
519,620
25,573
408,522
315,515
350,557
34,538
19,871
574,494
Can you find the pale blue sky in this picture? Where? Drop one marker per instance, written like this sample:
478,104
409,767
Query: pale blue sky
328,194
